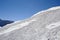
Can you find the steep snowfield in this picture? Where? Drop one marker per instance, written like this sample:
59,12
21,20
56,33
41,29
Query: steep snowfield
45,25
15,27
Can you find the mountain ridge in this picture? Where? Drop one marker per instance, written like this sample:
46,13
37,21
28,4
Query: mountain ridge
35,27
5,22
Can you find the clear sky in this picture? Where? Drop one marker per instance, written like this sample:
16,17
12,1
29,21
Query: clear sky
21,9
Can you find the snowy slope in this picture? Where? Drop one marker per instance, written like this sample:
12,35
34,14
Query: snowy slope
45,25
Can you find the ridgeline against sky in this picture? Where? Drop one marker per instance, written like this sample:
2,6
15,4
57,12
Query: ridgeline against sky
21,9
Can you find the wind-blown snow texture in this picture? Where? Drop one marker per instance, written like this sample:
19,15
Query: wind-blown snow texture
44,25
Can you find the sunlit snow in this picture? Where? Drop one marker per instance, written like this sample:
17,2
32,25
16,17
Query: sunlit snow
37,27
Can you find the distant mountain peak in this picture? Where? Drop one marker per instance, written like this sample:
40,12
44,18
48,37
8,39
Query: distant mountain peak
4,22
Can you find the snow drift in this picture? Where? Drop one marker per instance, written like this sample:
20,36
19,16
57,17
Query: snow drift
45,25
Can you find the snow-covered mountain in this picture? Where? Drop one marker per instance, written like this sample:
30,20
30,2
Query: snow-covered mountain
5,22
45,25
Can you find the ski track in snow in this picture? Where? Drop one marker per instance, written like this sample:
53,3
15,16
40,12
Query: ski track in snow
53,25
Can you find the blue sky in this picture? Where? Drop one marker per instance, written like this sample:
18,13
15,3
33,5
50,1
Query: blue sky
21,9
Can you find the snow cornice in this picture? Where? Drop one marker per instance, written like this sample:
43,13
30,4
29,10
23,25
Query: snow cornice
50,9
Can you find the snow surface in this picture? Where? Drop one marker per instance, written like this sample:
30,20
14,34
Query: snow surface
45,25
53,25
50,9
16,27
